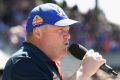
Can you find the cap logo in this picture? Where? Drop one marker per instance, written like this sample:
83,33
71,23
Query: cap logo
60,11
37,20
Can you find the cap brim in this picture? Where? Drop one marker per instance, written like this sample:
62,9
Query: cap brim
67,22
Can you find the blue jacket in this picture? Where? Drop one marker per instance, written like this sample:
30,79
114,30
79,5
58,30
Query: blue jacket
30,63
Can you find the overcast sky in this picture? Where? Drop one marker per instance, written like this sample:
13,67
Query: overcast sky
111,8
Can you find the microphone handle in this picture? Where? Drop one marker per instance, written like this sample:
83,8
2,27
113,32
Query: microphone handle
108,69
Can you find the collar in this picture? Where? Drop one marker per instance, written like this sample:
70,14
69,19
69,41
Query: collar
40,55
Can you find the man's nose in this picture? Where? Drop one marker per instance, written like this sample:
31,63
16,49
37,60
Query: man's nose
66,32
67,35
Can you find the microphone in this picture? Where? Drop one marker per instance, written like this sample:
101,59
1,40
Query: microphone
79,51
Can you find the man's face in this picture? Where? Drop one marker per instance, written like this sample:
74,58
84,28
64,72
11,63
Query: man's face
55,40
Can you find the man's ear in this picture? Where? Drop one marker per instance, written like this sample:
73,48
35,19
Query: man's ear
37,32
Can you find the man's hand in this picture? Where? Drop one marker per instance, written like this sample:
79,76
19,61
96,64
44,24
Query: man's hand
90,64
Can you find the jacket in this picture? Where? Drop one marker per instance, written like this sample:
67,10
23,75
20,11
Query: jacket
30,63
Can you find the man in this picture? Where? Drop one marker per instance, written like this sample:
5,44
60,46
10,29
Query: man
46,42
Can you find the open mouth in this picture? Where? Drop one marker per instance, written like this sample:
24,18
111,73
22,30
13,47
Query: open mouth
67,43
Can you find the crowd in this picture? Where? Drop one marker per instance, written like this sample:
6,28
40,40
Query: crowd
95,30
13,15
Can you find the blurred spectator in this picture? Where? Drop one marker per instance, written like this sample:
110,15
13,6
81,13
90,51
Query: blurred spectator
75,14
16,35
13,13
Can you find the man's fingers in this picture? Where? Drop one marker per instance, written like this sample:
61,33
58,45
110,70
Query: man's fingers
91,51
93,54
103,61
96,56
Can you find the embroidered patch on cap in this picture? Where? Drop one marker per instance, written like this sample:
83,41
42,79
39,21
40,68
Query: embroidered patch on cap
37,20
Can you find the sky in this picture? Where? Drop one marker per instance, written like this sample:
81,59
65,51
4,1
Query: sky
111,8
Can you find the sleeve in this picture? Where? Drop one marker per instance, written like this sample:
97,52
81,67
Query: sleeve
27,70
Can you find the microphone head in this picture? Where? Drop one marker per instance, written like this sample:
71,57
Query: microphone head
78,51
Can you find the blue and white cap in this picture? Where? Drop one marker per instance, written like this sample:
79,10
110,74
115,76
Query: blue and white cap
48,13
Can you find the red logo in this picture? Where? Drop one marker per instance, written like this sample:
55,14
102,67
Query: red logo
37,20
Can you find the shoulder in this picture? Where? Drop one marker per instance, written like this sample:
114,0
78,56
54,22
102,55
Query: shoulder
22,64
23,60
27,69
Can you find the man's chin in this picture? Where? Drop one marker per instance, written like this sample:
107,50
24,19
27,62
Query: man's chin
62,55
64,52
